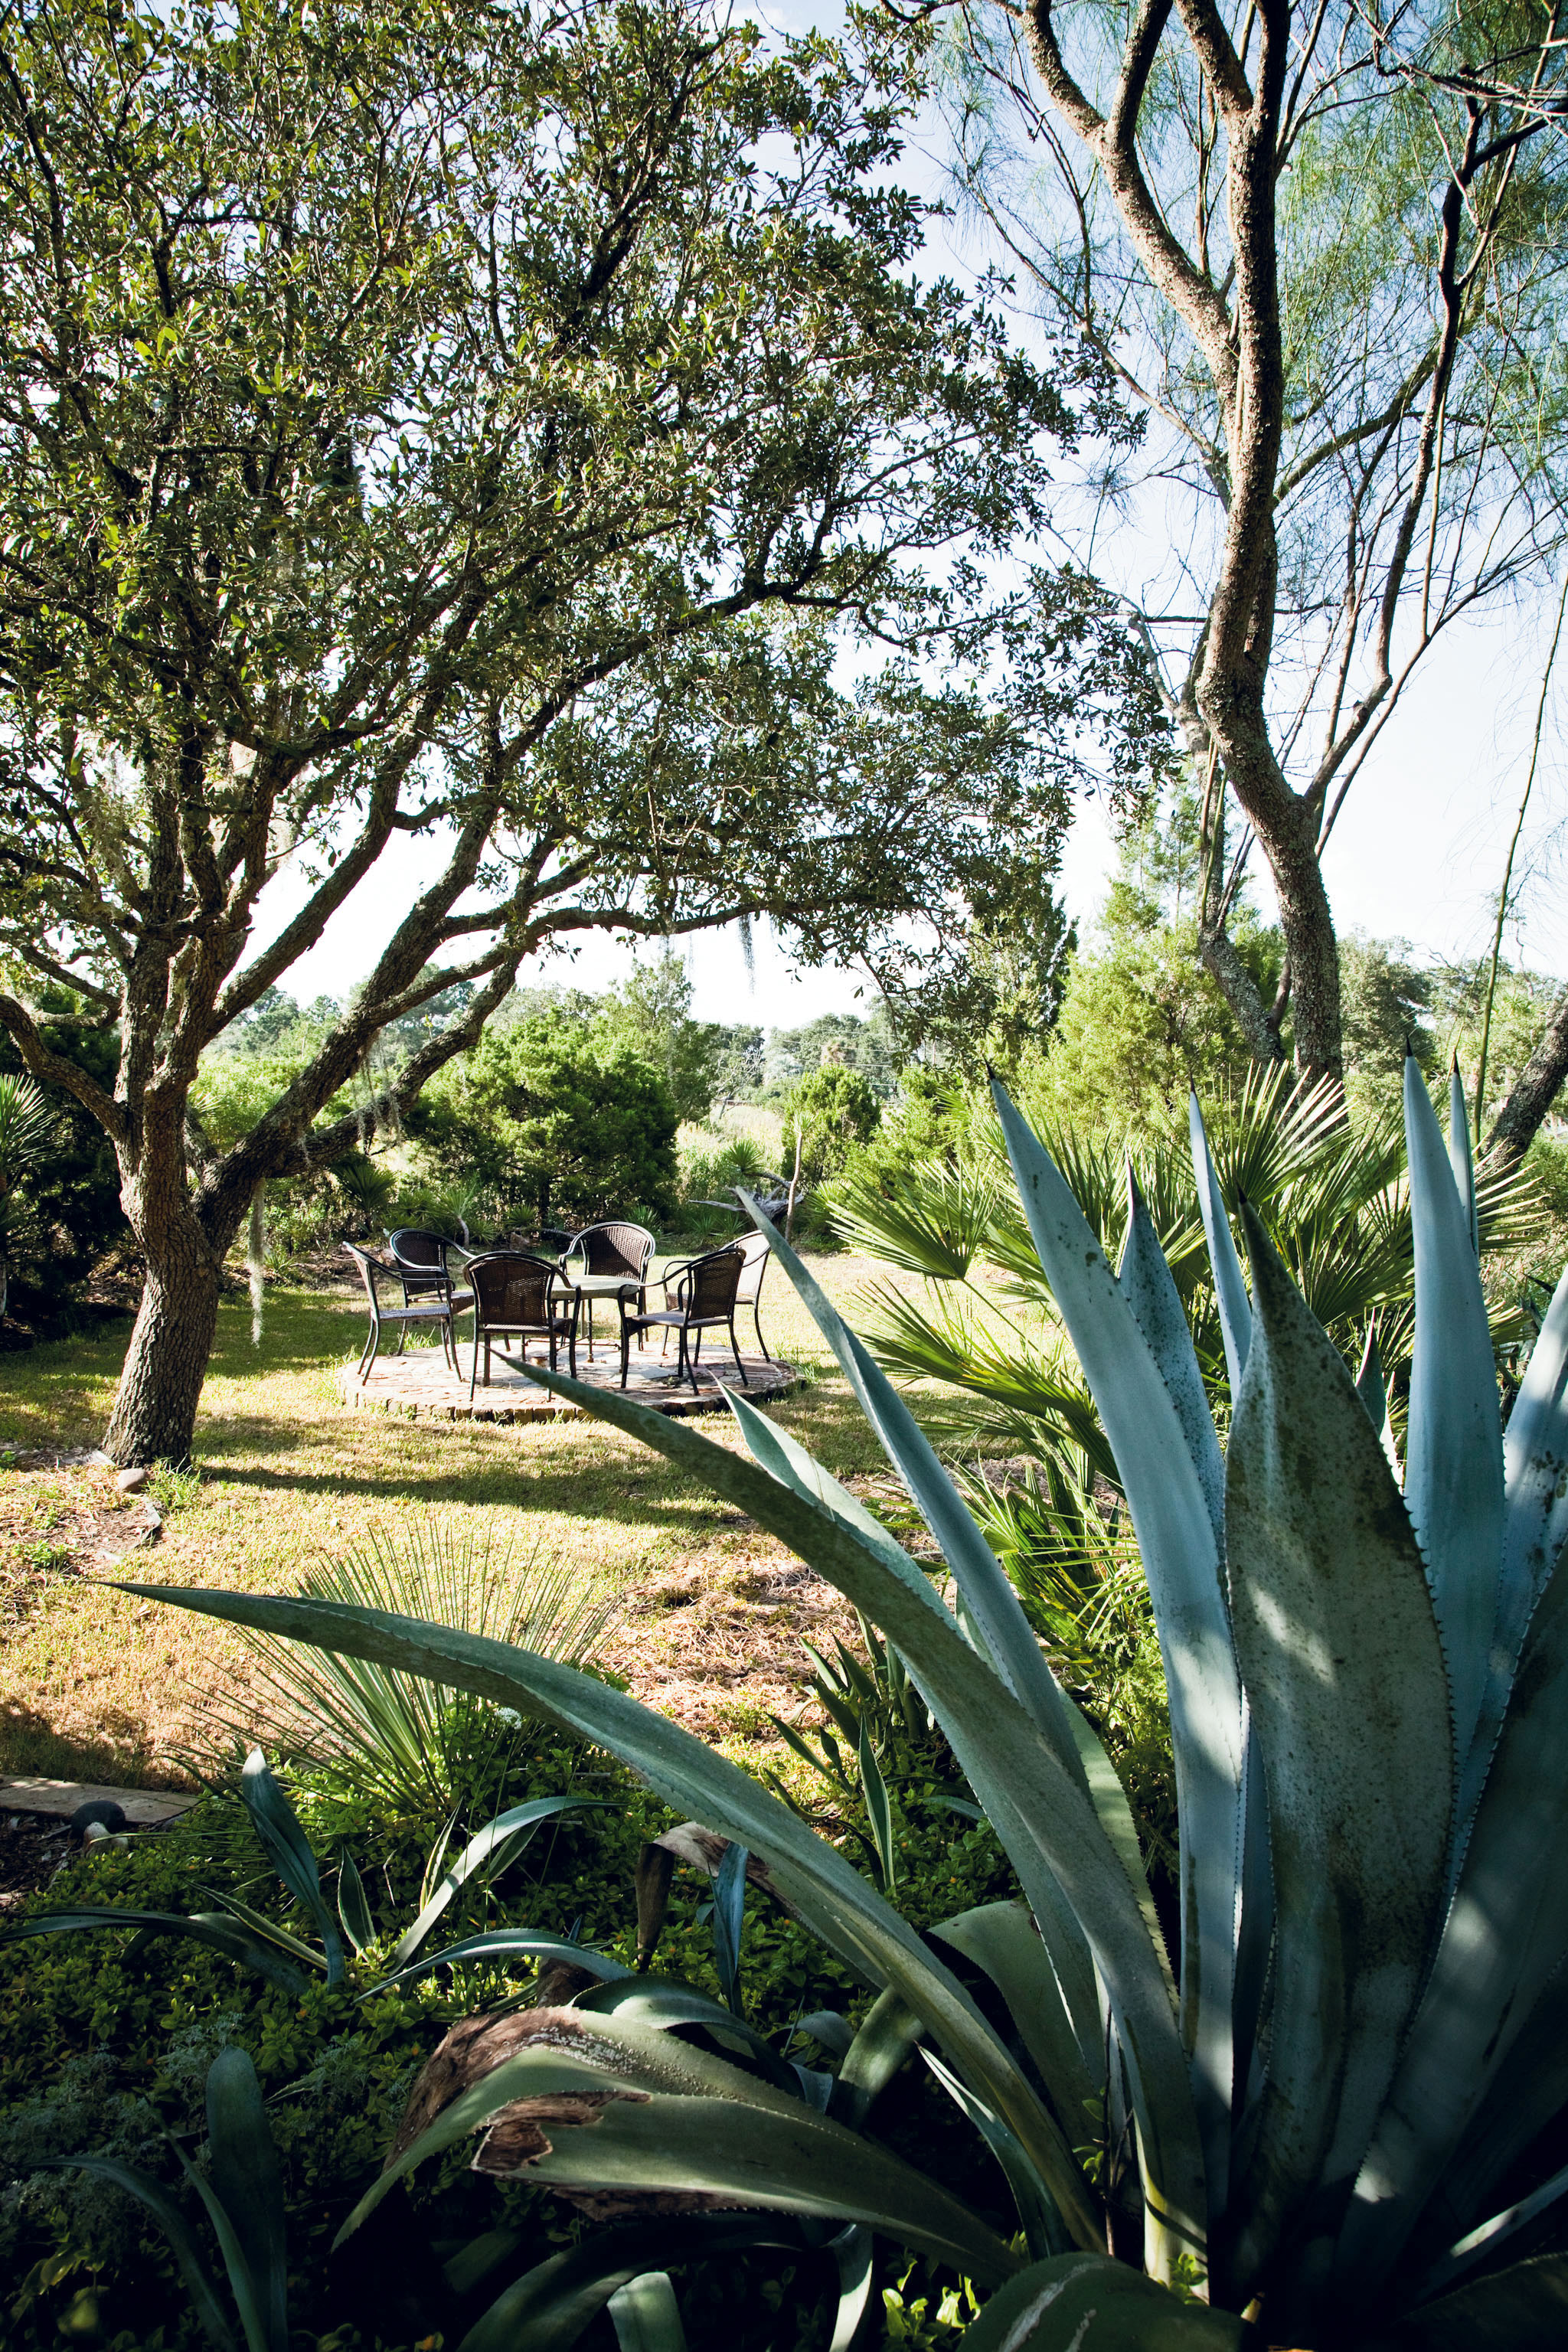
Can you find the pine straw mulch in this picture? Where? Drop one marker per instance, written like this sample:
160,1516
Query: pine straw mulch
718,1644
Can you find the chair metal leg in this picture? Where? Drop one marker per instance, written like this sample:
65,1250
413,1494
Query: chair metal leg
683,1364
367,1353
474,1368
735,1351
626,1351
757,1320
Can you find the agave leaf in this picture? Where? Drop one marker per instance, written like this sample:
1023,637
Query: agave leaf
852,2249
249,2300
1535,1484
496,1943
1081,2303
879,1809
646,2315
1054,1838
834,2033
889,2031
1535,1457
353,1910
800,2163
193,2271
664,2002
1180,1551
269,1930
1147,1285
667,2116
203,1927
835,1901
1453,1450
1230,1289
1481,2244
1043,2231
467,2271
779,1454
1524,2309
1502,1946
1328,1592
247,2181
277,1826
549,2306
987,1593
729,1919
1529,2089
501,1840
1372,1390
1254,1930
1002,1938
1459,1158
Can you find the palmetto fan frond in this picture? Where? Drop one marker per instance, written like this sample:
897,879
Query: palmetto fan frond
1332,1198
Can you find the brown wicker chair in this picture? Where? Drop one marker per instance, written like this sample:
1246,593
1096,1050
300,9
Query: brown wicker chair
436,1307
699,1294
423,1261
515,1298
757,1249
614,1254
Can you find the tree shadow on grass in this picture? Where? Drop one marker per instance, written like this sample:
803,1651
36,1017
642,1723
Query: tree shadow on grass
115,1751
603,1476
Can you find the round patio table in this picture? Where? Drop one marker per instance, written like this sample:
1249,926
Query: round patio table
590,1286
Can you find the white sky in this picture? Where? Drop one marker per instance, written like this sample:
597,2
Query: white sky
1417,853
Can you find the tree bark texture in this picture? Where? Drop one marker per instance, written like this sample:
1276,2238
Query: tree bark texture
154,1415
1533,1093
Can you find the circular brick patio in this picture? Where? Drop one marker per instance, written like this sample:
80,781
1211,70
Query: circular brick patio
421,1385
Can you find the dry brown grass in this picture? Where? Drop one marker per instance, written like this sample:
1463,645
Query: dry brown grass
93,1684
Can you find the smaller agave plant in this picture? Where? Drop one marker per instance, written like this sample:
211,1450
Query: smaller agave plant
1331,2096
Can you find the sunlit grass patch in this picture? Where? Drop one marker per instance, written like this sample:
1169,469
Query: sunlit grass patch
286,1473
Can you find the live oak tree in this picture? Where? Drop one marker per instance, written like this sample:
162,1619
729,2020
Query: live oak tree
1321,243
402,410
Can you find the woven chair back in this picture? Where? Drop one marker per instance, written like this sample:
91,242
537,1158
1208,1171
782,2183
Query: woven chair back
714,1282
616,1249
368,1267
510,1291
755,1250
415,1246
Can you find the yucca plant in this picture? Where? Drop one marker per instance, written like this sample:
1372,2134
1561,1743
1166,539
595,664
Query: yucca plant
1330,2092
418,1750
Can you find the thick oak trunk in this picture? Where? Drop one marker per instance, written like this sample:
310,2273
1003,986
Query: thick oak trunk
154,1415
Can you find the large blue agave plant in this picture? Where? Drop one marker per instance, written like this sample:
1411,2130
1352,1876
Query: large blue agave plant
1366,2030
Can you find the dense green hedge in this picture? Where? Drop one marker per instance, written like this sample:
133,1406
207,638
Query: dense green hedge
105,2047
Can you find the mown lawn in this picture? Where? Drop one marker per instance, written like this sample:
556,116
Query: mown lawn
94,1685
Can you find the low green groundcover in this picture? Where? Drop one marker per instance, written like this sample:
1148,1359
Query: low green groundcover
105,2043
